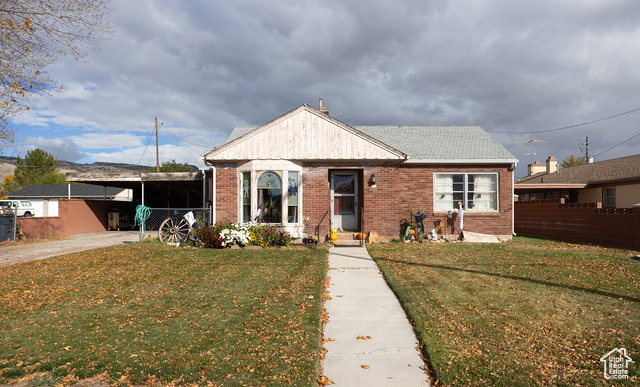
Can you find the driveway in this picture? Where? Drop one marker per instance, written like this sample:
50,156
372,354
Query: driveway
10,255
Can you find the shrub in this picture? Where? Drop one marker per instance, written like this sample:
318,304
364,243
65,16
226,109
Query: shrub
269,235
209,235
225,234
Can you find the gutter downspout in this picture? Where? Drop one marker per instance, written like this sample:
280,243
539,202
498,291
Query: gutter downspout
68,190
213,195
513,204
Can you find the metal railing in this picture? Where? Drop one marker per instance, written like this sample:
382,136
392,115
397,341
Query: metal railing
158,215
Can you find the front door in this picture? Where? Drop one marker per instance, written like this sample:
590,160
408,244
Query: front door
344,200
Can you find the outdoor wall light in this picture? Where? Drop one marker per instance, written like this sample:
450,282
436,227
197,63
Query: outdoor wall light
373,178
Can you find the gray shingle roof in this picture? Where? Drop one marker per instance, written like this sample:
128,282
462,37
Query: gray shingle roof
440,142
429,143
55,191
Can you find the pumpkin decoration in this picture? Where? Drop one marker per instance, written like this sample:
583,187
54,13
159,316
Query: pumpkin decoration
334,231
412,231
334,237
362,236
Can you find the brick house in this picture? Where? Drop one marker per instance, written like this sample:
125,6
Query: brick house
309,172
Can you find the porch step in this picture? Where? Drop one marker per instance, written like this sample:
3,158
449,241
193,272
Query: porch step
347,239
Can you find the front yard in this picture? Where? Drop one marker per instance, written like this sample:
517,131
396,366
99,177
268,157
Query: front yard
521,313
525,312
148,313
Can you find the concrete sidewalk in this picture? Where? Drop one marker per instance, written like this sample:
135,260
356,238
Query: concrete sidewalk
369,339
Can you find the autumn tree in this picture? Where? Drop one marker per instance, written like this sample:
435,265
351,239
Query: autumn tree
37,166
33,35
8,185
572,161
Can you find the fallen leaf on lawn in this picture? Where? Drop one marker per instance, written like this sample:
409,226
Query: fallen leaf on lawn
67,348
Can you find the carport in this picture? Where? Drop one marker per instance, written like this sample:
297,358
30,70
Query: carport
156,190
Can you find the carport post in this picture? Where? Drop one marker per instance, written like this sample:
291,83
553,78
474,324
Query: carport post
69,191
142,194
204,189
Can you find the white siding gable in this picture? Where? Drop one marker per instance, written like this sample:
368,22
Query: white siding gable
305,134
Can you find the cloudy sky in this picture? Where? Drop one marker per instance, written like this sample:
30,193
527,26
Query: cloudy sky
520,69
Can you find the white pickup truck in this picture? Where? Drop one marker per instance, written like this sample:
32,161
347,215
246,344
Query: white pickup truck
24,207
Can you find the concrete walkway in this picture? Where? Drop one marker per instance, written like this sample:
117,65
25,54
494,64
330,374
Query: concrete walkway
12,254
369,339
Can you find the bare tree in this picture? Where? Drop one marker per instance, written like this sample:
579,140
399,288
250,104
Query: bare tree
33,35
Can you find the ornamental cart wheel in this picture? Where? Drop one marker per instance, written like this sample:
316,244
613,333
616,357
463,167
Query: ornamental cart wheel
173,230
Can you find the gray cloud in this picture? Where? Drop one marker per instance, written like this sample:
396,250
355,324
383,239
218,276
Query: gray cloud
60,148
208,66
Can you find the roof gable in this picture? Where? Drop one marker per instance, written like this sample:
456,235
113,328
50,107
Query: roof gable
304,133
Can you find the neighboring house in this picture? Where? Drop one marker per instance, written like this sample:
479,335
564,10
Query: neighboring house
309,172
614,183
44,197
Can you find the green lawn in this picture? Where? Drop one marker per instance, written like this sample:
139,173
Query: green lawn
521,313
148,313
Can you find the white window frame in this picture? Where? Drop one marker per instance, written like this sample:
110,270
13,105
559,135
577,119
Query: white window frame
465,191
282,168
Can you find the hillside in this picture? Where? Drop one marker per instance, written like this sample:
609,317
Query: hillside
7,165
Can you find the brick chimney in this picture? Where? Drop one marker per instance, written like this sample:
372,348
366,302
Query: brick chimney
322,108
536,167
552,164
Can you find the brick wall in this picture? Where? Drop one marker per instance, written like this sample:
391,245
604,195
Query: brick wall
316,199
226,194
385,206
76,216
417,190
579,222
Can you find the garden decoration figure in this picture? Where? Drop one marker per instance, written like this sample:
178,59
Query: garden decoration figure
461,214
420,216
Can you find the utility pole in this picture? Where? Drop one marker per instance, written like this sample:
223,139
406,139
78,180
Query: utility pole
586,146
157,152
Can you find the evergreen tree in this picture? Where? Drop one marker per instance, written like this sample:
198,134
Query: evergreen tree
35,166
572,161
172,166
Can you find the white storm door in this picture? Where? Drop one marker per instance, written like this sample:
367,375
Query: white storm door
344,200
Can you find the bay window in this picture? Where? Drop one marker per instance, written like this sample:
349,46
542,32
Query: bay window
269,197
246,197
477,191
292,195
270,192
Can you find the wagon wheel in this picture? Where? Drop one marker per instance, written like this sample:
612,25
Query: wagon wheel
173,230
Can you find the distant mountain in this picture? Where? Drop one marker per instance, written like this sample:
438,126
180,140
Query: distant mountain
7,165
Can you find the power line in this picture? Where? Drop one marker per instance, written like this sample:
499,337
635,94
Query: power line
570,126
182,140
145,148
613,147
